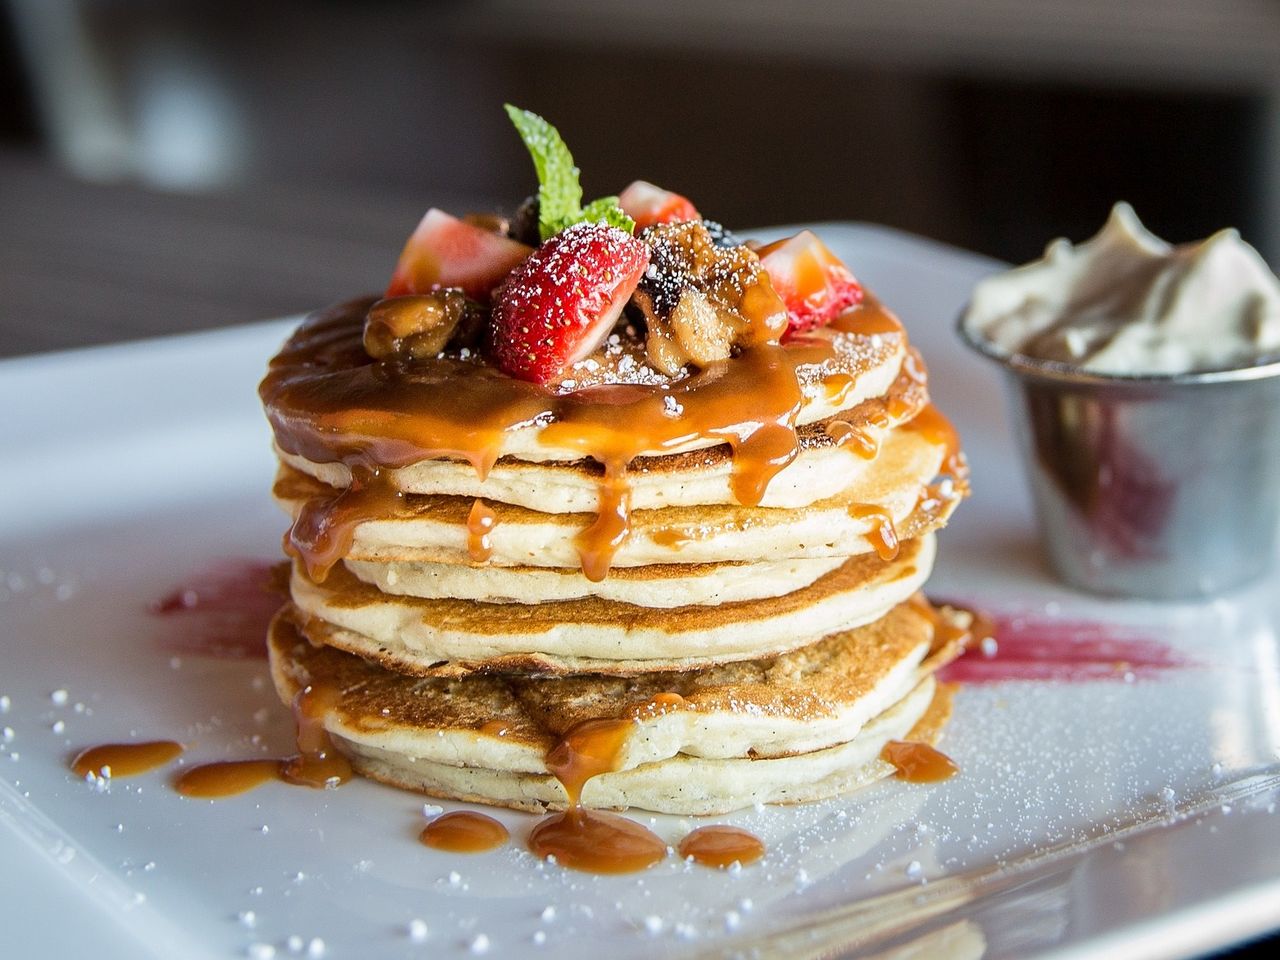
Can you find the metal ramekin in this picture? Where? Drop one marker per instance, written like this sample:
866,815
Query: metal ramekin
1159,487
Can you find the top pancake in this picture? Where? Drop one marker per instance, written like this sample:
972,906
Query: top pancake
328,402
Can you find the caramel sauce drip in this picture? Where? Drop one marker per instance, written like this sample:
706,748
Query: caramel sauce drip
325,527
596,842
480,523
125,759
590,840
946,630
586,750
883,535
935,428
661,703
495,728
721,846
317,762
212,781
918,762
464,831
862,442
674,537
328,402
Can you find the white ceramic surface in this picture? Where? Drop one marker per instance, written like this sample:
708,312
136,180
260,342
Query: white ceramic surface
1104,818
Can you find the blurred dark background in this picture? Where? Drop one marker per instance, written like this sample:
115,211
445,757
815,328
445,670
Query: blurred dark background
259,139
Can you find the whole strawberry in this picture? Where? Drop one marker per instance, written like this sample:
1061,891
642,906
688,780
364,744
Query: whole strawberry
559,304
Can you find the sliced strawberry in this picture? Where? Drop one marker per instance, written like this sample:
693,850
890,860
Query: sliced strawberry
646,205
447,252
558,305
813,283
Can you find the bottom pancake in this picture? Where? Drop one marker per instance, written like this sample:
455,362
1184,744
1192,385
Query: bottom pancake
797,727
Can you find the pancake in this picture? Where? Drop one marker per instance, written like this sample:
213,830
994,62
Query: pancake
831,453
322,385
435,528
660,585
451,637
796,727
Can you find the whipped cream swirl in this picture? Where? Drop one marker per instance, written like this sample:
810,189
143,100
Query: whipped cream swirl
1127,302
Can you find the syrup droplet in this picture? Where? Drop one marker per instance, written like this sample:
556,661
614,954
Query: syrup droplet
918,762
464,831
212,781
125,759
883,535
596,842
480,523
722,846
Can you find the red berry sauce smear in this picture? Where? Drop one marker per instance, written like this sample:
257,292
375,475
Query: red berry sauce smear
1038,646
222,610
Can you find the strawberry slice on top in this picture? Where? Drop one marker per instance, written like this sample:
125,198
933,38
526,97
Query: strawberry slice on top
558,305
647,204
815,286
447,252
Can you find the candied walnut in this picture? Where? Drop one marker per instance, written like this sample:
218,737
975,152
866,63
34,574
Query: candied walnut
421,325
701,299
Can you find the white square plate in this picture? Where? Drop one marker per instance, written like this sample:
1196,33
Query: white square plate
1131,815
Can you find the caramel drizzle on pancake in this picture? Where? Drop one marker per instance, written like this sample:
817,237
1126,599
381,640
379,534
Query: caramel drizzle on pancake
329,402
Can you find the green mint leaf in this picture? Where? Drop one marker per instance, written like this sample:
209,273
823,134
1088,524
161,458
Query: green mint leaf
559,192
606,210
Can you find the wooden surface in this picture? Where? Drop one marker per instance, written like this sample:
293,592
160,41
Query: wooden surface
87,263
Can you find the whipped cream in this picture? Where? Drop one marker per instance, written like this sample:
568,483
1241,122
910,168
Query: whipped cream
1127,302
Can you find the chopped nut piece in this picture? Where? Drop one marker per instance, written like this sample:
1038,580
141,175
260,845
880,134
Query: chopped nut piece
421,325
700,299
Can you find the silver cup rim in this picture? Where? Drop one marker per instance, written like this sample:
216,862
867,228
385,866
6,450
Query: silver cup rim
1066,373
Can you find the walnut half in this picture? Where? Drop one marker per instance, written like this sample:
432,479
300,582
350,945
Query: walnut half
701,299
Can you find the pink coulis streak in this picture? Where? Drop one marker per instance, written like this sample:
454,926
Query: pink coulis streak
1038,647
222,610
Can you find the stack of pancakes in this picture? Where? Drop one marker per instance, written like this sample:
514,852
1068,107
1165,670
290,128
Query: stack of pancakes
468,608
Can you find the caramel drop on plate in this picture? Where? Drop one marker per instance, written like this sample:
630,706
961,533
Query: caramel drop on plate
918,762
722,846
211,781
464,831
125,759
596,842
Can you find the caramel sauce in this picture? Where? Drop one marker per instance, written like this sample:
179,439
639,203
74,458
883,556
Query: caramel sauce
946,631
328,402
662,702
480,523
883,535
125,759
212,781
721,846
862,442
935,428
464,831
918,762
591,840
596,842
317,762
495,728
325,527
674,537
